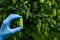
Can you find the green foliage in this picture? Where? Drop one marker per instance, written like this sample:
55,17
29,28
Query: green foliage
41,18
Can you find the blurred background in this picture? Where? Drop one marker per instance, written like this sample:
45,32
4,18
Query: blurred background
41,18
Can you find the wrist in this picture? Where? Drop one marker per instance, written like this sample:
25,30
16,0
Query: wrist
1,38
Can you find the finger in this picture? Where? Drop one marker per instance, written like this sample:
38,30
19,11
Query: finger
7,22
11,18
17,29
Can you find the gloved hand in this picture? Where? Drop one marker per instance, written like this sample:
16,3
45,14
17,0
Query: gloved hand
5,30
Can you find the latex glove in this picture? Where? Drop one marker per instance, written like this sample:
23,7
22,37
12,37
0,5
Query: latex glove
5,30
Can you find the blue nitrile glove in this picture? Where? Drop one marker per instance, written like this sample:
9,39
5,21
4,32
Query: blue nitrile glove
5,31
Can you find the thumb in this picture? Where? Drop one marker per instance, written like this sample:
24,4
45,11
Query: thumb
17,29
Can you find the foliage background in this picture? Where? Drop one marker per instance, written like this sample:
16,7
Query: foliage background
41,18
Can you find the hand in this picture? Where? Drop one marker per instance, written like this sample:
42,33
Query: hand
5,30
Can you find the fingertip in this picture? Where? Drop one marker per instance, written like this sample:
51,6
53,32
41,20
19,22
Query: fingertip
20,28
20,16
17,29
